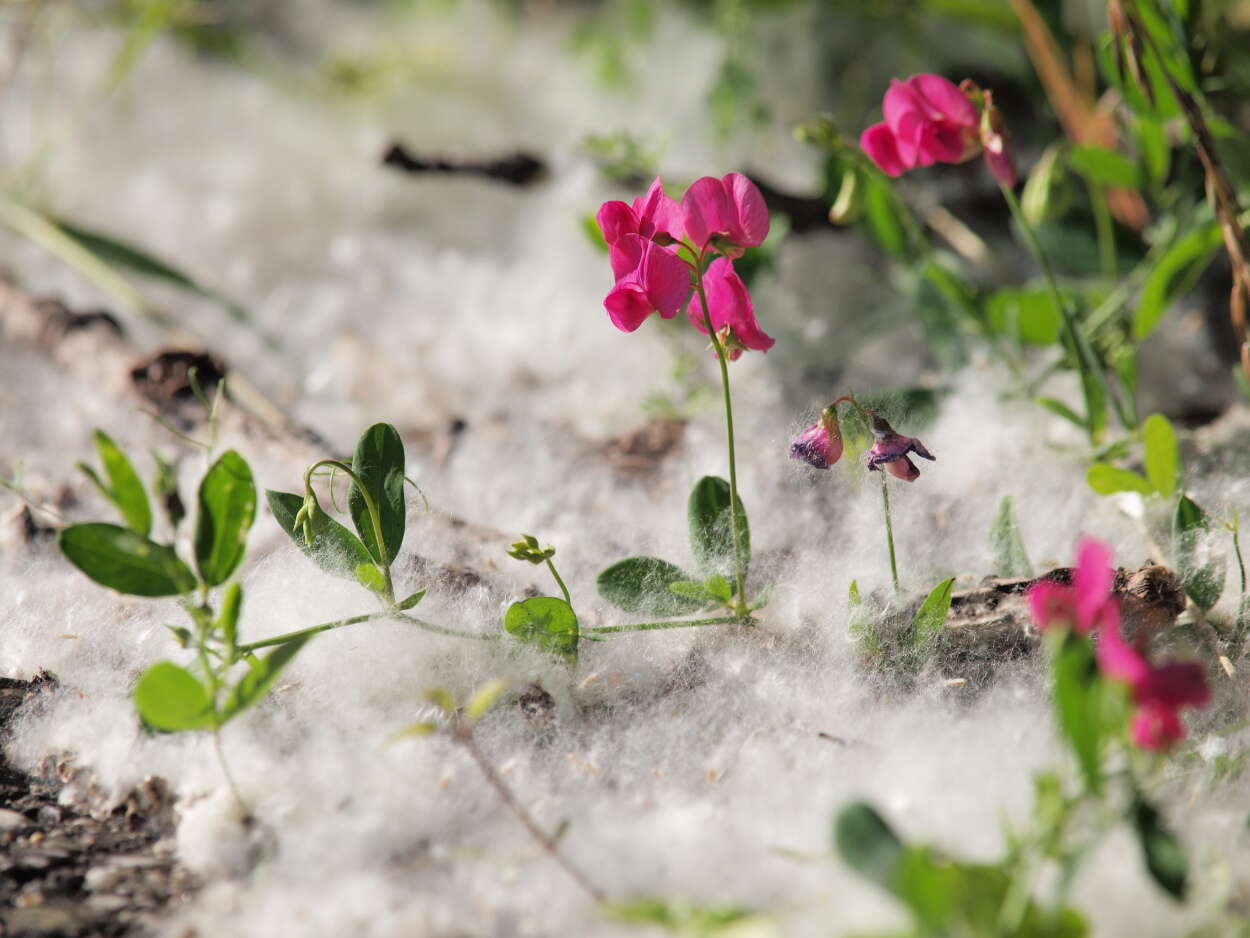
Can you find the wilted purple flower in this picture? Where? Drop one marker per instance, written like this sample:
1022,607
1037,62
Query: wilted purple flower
820,445
890,450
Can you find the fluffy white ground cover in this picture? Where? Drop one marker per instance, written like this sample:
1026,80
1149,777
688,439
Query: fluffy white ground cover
687,763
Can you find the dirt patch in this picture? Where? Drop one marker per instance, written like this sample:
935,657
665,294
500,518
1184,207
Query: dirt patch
73,862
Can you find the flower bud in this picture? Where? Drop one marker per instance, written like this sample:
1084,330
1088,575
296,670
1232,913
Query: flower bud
849,205
820,445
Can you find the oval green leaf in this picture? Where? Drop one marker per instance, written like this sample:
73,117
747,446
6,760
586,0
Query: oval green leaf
1200,568
927,623
867,844
1104,167
1106,479
125,488
545,621
379,463
1163,456
1164,855
711,537
227,509
334,549
1173,274
169,698
640,585
256,683
120,559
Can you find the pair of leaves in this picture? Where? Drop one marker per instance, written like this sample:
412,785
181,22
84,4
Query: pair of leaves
653,587
1201,569
171,699
1162,459
545,621
944,896
129,562
124,488
378,463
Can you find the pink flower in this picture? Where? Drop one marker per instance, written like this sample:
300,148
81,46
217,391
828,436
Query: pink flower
1082,605
930,120
1158,692
653,216
820,445
730,209
649,278
733,317
890,450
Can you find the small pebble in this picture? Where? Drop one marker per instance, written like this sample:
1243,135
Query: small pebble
12,820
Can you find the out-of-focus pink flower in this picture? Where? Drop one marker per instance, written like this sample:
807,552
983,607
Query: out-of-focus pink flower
1082,605
1158,692
653,216
820,445
928,120
649,278
733,317
890,450
730,209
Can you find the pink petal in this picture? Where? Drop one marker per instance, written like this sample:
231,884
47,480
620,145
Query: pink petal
943,100
1157,726
1177,684
752,226
705,210
627,306
943,142
616,219
1118,659
1002,165
879,143
666,279
657,212
903,469
1093,579
626,255
816,448
1052,604
730,305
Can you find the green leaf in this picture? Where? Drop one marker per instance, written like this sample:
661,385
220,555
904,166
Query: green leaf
640,585
120,559
227,510
867,844
1200,569
693,590
334,549
1164,855
881,217
169,698
1104,167
1060,409
1163,456
1106,479
1079,701
370,577
1006,545
719,588
1156,149
927,623
483,699
124,488
1027,315
711,534
681,918
379,462
545,621
257,682
227,624
1173,274
412,600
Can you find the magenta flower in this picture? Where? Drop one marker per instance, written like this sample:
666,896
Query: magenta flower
1158,692
733,317
730,209
820,445
890,450
1083,605
653,216
928,120
649,278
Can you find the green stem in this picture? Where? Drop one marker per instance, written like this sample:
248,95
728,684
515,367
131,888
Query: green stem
388,590
739,564
354,620
889,529
1105,230
1091,373
678,624
244,811
563,589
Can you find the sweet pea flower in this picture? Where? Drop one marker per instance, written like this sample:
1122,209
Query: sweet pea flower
890,450
820,445
652,216
929,119
733,317
1158,691
729,210
649,279
1083,605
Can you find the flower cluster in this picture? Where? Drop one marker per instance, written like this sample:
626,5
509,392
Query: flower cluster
659,247
1158,691
929,119
820,445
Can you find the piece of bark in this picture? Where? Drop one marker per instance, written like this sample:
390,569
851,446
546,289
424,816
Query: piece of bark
516,169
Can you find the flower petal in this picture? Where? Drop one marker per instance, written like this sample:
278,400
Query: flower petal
815,447
616,219
627,306
626,255
1118,659
1177,684
729,302
666,278
748,204
1093,579
943,100
705,210
656,212
903,469
1157,727
1052,604
879,143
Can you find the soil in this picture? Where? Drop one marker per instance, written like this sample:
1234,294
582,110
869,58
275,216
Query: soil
73,862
